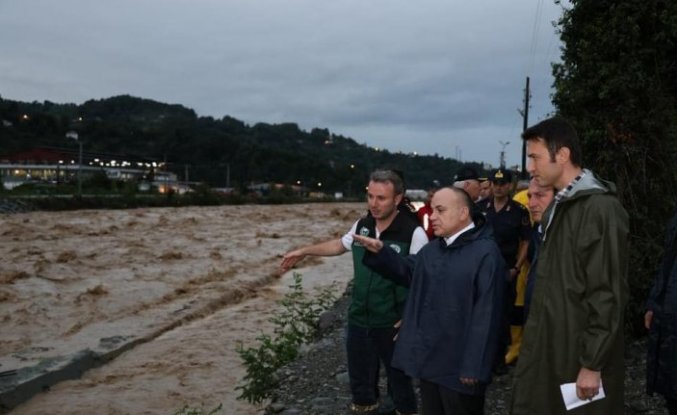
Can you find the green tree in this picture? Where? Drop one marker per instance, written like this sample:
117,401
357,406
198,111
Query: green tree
617,83
218,151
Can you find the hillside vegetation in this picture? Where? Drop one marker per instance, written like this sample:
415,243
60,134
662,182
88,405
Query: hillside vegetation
217,152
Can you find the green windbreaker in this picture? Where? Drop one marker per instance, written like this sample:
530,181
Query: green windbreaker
576,317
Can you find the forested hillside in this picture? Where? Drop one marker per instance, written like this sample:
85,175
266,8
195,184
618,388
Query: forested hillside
216,151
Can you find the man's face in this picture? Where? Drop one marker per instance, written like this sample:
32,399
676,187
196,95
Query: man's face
485,190
449,214
500,189
539,199
540,166
382,199
472,187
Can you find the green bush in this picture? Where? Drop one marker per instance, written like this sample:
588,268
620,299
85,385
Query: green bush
294,325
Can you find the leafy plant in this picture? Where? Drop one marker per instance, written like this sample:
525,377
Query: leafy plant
295,325
617,82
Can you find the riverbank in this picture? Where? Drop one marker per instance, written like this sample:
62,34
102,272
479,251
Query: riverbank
317,383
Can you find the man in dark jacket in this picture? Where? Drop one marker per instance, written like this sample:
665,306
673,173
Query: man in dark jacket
661,321
450,323
512,231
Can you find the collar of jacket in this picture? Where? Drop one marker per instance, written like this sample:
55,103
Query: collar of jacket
480,231
588,185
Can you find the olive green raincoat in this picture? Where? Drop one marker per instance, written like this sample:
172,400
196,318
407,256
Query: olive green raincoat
576,317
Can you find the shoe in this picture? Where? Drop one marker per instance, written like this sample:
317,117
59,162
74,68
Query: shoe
364,409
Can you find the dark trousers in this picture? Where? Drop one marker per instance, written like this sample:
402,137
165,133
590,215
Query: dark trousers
671,404
365,348
503,338
438,400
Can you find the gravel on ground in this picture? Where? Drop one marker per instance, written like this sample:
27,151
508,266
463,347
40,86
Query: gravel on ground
317,383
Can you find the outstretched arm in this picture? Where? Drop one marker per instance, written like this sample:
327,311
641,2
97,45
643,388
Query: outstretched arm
328,248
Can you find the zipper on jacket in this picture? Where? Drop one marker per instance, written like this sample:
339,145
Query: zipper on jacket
366,300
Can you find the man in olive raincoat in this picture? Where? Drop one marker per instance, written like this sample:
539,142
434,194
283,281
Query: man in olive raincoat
574,333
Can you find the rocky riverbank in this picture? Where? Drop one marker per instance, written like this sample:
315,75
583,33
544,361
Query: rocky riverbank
317,383
14,206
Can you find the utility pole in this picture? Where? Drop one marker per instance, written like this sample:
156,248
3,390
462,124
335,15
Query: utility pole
525,119
74,135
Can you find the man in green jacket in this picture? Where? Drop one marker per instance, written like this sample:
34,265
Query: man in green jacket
574,333
376,303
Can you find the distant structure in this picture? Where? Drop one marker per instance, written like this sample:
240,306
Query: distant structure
501,162
56,165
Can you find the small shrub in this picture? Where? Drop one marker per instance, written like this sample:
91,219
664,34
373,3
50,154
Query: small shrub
294,325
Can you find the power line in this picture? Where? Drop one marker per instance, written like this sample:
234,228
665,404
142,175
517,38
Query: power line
534,35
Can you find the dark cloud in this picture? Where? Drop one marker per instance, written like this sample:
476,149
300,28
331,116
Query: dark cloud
438,76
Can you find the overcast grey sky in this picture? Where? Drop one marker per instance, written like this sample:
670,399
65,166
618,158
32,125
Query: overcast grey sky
430,76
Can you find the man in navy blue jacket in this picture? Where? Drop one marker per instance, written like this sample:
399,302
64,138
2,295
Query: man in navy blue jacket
450,323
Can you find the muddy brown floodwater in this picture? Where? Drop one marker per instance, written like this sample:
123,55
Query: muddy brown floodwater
200,278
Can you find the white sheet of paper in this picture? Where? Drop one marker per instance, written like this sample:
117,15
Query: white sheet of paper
571,401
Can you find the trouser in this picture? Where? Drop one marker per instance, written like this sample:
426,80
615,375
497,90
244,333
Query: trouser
517,316
365,348
438,400
671,404
503,338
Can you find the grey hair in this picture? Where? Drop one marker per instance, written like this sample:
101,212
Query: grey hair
388,176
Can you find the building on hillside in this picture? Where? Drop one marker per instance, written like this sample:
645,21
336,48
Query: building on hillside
57,165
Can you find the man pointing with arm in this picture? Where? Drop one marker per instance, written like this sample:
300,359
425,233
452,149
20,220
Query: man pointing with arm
376,303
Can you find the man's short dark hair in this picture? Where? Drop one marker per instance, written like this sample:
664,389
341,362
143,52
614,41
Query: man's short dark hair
389,176
556,132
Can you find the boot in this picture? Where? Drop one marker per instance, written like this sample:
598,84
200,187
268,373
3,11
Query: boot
515,344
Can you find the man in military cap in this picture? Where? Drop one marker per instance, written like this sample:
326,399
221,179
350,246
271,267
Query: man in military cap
512,231
468,179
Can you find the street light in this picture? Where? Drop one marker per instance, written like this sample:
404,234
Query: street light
74,136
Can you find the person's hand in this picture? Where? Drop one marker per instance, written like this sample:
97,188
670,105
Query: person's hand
468,381
290,259
588,383
648,319
513,273
370,244
397,326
